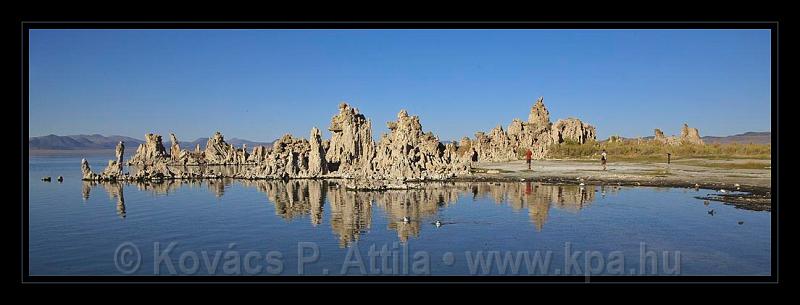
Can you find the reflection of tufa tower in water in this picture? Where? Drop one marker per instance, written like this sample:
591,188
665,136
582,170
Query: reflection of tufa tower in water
351,212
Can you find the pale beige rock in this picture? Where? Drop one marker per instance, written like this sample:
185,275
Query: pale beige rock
539,116
120,151
572,130
149,152
406,153
659,136
218,151
175,152
113,170
288,158
688,136
351,146
317,165
86,172
536,135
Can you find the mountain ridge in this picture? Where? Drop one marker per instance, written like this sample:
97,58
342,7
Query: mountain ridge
98,141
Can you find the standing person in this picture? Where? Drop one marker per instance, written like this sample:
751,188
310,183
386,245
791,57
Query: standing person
603,159
528,155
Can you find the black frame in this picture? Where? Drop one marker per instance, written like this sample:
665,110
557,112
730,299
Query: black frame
27,25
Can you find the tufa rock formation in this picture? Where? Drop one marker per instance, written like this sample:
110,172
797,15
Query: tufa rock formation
688,136
317,165
86,172
351,145
406,153
539,115
218,151
175,152
572,130
120,152
150,152
537,135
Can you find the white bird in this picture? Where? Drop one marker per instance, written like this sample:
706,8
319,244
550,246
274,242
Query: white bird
406,219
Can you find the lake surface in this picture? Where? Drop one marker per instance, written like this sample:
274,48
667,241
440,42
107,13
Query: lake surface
315,227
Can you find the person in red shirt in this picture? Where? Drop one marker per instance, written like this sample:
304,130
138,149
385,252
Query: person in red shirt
528,155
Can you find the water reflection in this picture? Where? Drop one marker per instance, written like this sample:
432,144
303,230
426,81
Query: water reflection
113,189
351,213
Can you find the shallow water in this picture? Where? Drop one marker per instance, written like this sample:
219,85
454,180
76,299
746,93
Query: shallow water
234,227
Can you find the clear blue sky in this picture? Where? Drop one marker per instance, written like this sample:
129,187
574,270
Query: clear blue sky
260,84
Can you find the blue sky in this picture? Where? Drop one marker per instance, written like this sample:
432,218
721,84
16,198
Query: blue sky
261,84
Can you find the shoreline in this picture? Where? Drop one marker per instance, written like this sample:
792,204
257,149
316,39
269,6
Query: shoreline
683,174
747,197
745,187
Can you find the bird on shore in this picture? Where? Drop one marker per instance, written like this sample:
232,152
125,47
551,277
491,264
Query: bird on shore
406,219
711,212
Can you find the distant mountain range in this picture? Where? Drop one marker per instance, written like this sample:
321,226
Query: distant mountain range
96,141
747,137
76,142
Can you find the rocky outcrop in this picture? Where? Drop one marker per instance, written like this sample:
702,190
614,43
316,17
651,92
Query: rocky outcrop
659,136
175,152
218,151
688,136
536,135
120,152
86,171
494,147
150,152
288,158
113,171
615,139
406,152
351,146
572,130
539,116
317,165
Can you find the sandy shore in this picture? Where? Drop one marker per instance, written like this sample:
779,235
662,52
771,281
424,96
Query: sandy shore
746,175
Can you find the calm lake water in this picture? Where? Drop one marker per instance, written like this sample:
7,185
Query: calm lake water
228,227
